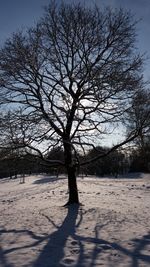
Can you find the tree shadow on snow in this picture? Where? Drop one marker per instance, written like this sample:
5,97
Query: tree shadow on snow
49,179
131,175
55,254
54,250
3,259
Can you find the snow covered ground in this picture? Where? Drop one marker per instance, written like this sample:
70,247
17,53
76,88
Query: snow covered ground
112,228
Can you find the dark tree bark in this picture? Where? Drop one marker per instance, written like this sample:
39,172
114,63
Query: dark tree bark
71,172
72,185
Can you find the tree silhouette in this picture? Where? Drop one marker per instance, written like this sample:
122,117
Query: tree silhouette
67,80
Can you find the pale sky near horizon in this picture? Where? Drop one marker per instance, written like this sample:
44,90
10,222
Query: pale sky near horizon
19,14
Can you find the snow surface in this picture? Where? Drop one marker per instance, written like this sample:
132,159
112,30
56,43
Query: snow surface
112,228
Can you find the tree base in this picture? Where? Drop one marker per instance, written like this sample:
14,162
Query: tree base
73,203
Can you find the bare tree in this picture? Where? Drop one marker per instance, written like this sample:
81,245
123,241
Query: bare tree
68,79
139,117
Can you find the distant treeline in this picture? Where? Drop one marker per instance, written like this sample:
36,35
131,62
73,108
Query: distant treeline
13,163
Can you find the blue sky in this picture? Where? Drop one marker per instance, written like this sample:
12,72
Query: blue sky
19,14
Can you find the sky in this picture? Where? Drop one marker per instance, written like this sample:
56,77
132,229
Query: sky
18,14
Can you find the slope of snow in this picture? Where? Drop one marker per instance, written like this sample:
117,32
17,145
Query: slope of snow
111,228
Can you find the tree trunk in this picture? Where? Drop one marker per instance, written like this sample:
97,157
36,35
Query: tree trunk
72,185
71,172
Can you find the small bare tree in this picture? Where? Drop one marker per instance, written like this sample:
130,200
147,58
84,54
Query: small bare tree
68,79
139,116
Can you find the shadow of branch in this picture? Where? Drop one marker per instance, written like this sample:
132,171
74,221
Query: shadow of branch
54,254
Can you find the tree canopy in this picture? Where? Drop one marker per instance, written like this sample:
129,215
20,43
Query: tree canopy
70,80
